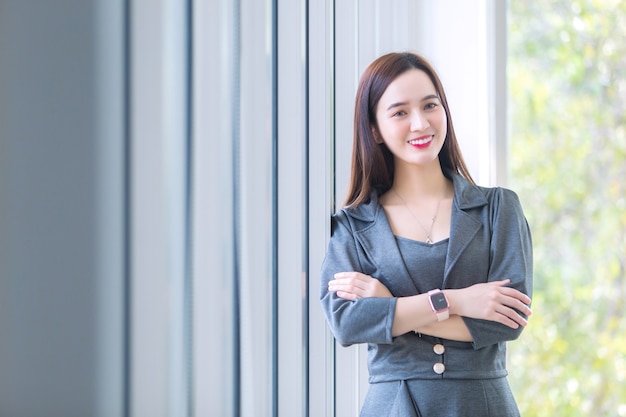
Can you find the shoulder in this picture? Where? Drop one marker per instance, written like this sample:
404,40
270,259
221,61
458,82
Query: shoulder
469,195
364,212
504,208
501,198
352,220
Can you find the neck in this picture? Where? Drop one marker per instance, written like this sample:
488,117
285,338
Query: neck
416,182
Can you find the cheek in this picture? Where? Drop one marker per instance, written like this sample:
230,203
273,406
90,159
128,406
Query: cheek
442,122
385,130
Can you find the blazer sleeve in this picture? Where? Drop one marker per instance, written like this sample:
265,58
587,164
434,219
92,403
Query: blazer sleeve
511,257
366,320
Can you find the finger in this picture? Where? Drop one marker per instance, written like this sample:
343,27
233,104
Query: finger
349,274
514,317
522,307
355,281
500,283
347,295
506,320
346,274
347,286
341,285
516,294
515,304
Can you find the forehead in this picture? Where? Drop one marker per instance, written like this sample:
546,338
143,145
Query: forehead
412,85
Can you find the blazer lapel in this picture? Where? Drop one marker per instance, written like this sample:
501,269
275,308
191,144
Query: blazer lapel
463,228
379,243
463,225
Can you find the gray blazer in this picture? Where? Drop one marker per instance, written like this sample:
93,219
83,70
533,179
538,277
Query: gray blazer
489,241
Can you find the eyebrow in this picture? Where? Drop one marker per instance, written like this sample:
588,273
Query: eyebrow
402,103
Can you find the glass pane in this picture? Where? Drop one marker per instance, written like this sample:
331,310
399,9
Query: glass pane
567,83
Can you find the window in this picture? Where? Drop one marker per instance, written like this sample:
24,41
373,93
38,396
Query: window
567,85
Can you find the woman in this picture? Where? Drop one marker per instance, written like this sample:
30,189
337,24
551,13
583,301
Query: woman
431,270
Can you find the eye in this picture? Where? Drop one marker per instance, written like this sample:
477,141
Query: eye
431,106
399,113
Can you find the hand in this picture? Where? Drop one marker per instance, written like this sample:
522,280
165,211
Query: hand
354,285
492,301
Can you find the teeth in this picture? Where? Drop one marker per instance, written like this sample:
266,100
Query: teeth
420,141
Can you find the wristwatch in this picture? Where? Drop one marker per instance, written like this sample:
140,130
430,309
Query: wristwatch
439,304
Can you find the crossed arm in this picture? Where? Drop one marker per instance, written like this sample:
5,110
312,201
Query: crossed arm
492,301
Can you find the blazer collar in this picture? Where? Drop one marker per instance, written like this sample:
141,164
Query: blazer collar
466,196
374,233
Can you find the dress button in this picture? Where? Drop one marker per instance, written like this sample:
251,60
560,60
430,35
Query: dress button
439,368
439,349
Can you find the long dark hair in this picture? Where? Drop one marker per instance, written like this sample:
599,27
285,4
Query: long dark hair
372,163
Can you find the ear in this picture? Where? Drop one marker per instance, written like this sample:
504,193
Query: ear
377,138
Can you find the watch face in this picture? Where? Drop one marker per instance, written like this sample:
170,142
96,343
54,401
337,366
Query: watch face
439,301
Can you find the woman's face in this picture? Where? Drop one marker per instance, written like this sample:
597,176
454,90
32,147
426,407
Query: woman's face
411,120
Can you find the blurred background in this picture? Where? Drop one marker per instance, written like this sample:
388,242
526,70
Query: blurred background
567,97
168,169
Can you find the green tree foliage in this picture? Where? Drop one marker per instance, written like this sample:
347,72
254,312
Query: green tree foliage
567,81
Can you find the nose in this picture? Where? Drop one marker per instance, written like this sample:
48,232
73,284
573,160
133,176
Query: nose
418,121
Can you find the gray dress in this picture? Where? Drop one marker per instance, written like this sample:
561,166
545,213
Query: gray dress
436,397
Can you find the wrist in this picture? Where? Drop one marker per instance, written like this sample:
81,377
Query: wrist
453,301
439,304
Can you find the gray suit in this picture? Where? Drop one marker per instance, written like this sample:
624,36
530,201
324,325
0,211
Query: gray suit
489,241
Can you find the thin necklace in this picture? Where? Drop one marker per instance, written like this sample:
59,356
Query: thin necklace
432,223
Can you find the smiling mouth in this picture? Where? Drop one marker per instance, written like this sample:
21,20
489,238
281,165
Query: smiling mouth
421,140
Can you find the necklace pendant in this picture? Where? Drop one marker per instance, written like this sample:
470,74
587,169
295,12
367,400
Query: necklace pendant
430,242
